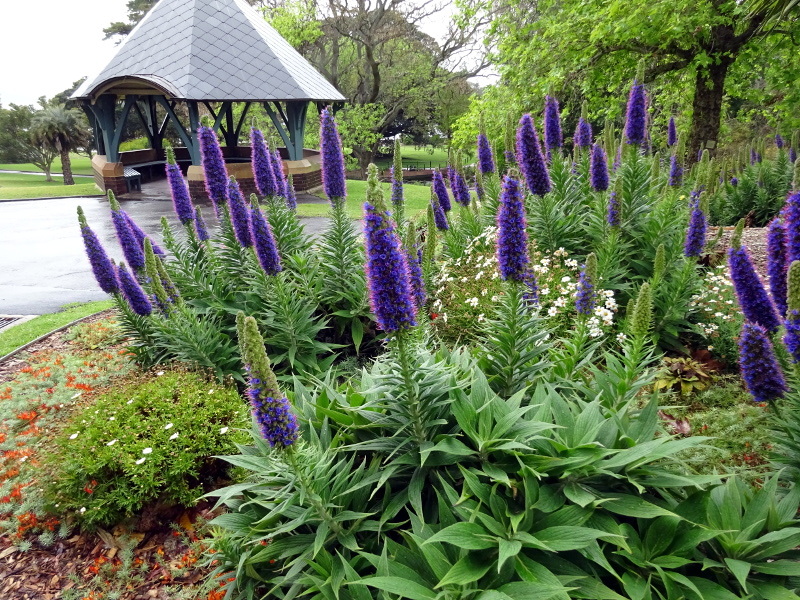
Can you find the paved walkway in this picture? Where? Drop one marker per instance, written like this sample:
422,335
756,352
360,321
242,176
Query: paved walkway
43,264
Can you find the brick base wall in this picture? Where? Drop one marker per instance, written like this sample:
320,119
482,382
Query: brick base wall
306,181
115,184
302,182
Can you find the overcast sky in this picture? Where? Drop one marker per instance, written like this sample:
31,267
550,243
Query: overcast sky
46,45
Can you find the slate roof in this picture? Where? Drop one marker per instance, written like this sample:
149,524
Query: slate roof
212,50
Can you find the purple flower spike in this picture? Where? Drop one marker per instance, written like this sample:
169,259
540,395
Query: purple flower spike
240,219
332,159
672,133
510,157
512,236
261,161
264,242
439,216
779,143
141,236
612,215
388,279
598,169
274,416
753,298
553,138
777,264
414,260
131,247
734,181
397,192
793,227
636,115
583,134
200,226
753,156
479,191
675,171
102,267
291,196
792,155
760,369
792,338
485,156
460,189
584,299
696,233
277,170
216,175
440,189
530,158
133,293
181,201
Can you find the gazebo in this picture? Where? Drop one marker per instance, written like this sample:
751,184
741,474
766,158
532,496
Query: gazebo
218,54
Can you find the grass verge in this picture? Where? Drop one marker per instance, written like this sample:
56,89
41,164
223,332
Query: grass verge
81,165
17,187
417,199
21,334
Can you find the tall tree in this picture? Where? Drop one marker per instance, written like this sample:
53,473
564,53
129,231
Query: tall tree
59,129
598,43
16,146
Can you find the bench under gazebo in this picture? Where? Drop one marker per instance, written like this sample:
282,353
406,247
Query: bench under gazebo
218,56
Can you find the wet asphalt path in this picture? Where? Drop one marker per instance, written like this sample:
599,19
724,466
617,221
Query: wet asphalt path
43,264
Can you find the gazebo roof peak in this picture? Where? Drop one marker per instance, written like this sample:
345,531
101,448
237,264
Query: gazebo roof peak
211,50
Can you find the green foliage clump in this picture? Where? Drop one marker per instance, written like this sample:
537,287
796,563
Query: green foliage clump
151,440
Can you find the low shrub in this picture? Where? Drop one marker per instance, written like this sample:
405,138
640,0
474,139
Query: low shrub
152,439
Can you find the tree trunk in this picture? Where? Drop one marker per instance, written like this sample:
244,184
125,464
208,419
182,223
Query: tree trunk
47,175
707,108
66,168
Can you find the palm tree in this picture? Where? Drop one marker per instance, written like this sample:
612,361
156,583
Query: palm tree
60,129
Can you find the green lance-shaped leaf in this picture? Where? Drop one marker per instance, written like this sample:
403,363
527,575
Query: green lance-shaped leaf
151,270
608,138
170,154
643,312
793,293
166,280
166,233
655,169
374,190
82,218
660,263
112,201
736,238
251,346
411,238
630,309
591,268
796,175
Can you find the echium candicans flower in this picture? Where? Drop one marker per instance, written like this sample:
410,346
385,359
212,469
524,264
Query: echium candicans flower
636,115
181,201
388,279
264,242
584,297
696,232
397,193
215,173
291,196
332,159
598,169
675,171
133,292
439,216
479,191
261,161
793,227
792,155
612,214
140,235
760,369
512,236
200,225
485,156
131,247
277,169
734,181
753,299
777,263
102,267
531,293
779,143
753,156
672,133
240,219
530,159
440,189
553,138
792,322
583,134
271,410
460,189
414,261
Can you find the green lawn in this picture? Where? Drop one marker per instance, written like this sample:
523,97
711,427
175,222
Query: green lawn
21,334
81,165
417,199
411,155
14,186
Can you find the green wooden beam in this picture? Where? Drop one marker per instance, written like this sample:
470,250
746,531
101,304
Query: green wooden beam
130,101
188,140
245,110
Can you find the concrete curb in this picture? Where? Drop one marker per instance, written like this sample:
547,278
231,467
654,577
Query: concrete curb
46,335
